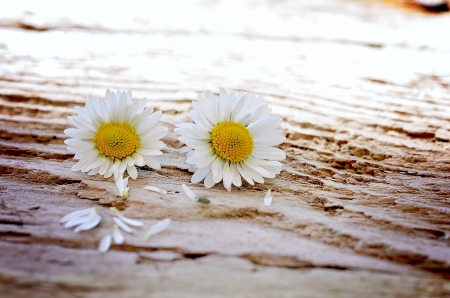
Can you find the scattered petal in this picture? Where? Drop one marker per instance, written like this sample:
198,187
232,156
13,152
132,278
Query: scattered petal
89,224
105,244
268,198
189,192
78,213
131,222
122,184
156,189
117,235
80,220
158,227
122,225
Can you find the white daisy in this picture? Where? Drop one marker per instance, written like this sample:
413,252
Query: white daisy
115,134
232,136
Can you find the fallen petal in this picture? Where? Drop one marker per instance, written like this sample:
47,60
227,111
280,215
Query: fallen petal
131,222
80,220
75,214
89,224
105,244
122,225
117,235
268,198
156,189
158,227
189,192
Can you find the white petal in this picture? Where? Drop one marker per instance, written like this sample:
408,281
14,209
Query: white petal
252,173
79,134
142,104
158,227
105,166
139,159
132,172
94,171
270,153
129,96
78,213
201,153
122,225
152,120
79,143
189,192
105,244
109,173
151,162
96,163
144,151
123,165
245,175
206,161
200,120
75,221
117,235
119,183
209,182
261,170
237,177
142,118
90,224
217,170
156,189
131,222
200,174
268,198
227,178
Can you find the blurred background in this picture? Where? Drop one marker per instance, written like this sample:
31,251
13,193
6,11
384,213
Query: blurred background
173,49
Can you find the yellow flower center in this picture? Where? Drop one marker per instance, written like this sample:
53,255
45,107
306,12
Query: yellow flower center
231,141
116,140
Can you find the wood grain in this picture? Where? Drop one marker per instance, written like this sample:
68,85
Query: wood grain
361,208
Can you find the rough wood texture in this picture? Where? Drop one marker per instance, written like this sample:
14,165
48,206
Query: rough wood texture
361,208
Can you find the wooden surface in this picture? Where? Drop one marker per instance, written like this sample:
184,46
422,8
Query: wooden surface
361,208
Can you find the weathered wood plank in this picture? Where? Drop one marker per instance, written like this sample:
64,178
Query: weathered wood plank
361,208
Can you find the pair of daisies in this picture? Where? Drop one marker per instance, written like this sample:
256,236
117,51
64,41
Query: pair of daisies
232,137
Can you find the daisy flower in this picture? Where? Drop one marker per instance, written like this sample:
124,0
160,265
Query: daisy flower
115,134
232,137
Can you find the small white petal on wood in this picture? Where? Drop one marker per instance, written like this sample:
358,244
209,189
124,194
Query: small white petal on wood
268,198
89,224
105,244
189,192
78,213
117,235
156,189
131,222
158,227
122,225
80,220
